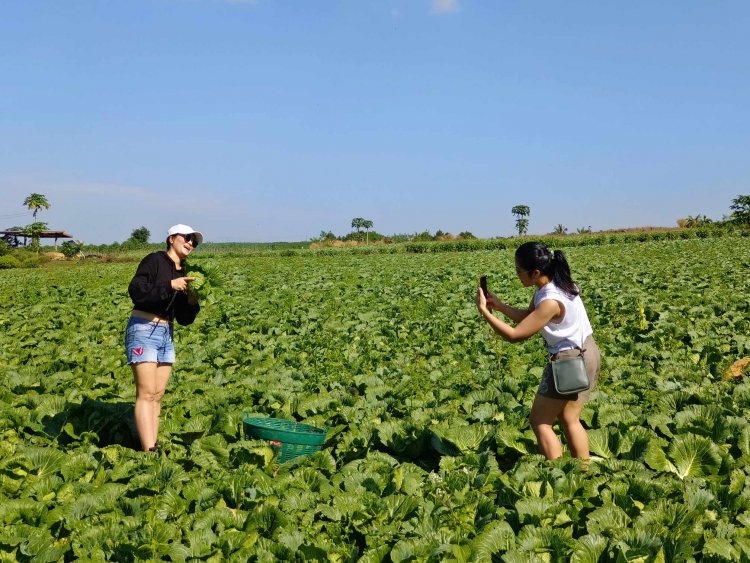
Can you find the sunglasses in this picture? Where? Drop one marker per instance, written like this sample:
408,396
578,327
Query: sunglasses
190,238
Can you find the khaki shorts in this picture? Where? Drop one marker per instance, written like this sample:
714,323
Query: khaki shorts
592,361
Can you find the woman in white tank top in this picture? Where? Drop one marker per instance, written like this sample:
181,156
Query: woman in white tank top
557,313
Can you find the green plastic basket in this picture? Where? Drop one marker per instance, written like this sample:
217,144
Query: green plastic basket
292,439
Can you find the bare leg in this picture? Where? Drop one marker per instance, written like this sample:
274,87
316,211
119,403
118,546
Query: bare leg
544,413
150,383
570,420
163,372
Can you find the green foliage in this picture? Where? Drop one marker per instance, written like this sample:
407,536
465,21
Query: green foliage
741,210
35,230
429,454
420,245
687,456
370,236
694,222
139,236
22,258
424,236
360,223
7,262
70,248
35,202
522,213
406,243
208,276
326,235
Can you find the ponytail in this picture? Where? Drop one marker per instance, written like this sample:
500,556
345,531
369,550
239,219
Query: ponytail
561,274
535,256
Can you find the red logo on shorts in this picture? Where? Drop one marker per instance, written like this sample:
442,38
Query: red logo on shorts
138,351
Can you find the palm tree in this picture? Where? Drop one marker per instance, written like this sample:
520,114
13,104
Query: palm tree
522,223
357,223
692,222
360,223
367,225
35,231
35,202
560,229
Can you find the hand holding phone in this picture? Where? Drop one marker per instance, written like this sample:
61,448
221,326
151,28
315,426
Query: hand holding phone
483,285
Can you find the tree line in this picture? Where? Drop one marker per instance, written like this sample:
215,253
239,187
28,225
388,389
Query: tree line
740,215
360,223
35,202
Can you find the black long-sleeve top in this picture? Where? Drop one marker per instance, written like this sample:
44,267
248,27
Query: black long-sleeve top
151,289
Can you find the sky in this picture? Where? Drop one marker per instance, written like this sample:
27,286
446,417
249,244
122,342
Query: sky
274,120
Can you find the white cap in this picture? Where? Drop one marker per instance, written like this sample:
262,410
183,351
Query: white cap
181,229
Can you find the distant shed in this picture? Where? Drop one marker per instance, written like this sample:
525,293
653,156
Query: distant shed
12,237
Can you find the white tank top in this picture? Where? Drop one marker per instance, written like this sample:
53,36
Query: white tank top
574,327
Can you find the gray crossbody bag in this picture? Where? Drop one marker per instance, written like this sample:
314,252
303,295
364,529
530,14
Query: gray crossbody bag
570,375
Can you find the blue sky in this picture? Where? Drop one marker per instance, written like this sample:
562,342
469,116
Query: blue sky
273,120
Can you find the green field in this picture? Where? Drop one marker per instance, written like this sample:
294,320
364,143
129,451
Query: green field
429,455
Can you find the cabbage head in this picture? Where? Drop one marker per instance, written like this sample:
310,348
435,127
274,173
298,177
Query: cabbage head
207,277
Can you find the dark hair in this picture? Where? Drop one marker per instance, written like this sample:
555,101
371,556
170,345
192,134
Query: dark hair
535,256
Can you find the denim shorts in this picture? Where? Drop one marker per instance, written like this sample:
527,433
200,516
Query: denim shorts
147,341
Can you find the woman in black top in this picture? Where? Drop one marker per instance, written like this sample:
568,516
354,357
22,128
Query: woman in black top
160,293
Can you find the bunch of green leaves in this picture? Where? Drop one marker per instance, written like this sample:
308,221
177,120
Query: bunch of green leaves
207,277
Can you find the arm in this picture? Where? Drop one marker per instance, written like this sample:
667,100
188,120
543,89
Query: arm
186,308
517,315
531,323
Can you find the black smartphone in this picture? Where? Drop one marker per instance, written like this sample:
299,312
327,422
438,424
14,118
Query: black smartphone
483,285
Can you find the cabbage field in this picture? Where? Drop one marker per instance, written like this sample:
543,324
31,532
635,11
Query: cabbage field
429,455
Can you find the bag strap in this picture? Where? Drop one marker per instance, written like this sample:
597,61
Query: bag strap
552,357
